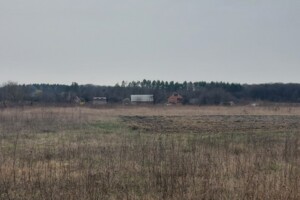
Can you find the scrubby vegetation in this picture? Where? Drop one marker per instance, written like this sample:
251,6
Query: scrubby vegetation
150,153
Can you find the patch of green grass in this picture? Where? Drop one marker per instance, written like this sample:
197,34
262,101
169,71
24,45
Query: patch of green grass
240,137
274,166
108,126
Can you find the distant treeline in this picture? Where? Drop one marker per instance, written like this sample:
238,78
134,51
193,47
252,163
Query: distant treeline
199,93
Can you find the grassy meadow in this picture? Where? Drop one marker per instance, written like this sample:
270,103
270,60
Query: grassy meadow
180,152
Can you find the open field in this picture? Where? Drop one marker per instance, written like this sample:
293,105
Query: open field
150,153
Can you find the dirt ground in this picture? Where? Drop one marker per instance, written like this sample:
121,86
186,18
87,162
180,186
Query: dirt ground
212,124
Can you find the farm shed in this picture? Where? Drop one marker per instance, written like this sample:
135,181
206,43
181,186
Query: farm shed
175,99
99,101
142,98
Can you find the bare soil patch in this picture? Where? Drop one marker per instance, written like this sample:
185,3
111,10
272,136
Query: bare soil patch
212,124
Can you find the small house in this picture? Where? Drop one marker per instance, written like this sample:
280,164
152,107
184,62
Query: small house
175,99
99,101
141,98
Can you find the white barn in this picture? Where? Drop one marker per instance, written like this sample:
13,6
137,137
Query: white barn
142,98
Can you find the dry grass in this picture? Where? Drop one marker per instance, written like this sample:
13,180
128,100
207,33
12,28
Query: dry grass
150,153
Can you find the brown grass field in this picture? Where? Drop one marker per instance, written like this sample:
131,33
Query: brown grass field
155,152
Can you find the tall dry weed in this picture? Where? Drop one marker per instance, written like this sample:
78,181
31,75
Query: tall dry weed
80,153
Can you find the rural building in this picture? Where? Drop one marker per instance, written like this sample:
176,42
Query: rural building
142,98
175,99
99,101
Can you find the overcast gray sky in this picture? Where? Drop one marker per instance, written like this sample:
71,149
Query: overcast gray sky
107,41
